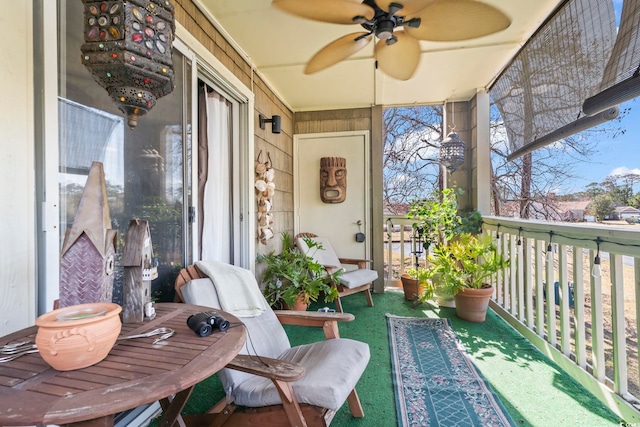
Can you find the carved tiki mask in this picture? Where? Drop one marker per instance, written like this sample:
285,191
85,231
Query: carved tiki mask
333,179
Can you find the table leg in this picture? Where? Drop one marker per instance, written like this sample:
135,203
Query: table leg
172,407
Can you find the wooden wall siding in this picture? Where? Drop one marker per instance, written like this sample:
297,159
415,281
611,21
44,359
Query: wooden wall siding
267,103
333,121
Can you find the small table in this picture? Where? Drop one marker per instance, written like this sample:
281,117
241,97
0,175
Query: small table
136,372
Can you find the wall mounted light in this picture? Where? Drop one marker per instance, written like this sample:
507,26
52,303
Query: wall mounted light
274,120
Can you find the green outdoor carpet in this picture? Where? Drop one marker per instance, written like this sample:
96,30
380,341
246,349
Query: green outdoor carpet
435,382
534,391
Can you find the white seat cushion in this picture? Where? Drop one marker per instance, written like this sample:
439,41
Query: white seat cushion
354,278
333,369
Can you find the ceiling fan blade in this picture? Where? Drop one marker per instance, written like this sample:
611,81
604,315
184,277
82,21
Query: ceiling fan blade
453,20
400,59
337,50
409,7
334,11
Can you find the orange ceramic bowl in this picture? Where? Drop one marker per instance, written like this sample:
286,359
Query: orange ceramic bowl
78,336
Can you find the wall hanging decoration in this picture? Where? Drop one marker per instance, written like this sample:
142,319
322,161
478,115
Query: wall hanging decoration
265,188
89,247
127,49
333,179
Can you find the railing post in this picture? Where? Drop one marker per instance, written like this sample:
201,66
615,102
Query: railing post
528,289
520,279
539,289
620,382
513,276
578,307
551,298
389,253
500,275
597,328
636,265
565,323
506,299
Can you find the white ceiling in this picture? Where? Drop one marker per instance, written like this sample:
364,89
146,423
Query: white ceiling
279,45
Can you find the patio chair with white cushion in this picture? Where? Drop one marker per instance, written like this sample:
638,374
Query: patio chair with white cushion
351,281
276,384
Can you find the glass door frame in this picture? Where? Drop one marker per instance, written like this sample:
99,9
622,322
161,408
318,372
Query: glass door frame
47,145
209,69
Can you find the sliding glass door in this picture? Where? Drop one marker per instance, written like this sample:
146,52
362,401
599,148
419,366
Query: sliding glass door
147,169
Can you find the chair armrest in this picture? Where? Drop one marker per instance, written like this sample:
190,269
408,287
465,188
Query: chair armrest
361,263
328,321
274,369
353,260
311,318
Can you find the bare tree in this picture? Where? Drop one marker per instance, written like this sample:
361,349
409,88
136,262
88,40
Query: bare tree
525,184
410,154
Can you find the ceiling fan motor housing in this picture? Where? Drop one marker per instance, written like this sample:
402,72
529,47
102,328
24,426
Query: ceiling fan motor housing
384,28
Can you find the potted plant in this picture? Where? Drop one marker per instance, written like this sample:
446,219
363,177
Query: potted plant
463,267
438,220
293,279
416,284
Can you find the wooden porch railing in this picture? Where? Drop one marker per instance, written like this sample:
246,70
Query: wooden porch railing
592,332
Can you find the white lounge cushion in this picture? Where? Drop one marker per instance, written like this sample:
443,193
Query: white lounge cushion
265,334
354,278
333,369
326,256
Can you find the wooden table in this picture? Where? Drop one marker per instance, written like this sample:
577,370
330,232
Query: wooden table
136,372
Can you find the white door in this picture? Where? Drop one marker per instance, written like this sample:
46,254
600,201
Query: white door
336,221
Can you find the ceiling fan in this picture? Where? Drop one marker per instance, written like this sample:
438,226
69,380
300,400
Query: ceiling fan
399,25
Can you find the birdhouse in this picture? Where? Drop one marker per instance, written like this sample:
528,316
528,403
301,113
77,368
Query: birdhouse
89,247
139,271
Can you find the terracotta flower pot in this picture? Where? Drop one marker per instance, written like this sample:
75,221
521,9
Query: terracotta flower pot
410,287
78,336
298,305
472,304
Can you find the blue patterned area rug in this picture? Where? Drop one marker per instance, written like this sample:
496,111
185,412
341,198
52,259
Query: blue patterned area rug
436,384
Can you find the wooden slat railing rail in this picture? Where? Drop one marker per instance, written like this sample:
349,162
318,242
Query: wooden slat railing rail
593,333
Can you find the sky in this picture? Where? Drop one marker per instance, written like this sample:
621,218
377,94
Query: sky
617,156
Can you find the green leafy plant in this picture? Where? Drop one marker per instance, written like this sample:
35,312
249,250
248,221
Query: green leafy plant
422,275
439,221
291,274
465,262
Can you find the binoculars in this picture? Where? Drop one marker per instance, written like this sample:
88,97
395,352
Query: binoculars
204,323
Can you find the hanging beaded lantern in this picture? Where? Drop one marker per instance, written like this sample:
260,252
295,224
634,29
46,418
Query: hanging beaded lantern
452,151
127,49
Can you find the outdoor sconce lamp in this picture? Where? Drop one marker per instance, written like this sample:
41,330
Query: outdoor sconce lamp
274,120
452,152
127,48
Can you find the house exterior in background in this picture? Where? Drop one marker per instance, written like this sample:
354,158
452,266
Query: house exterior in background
625,212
